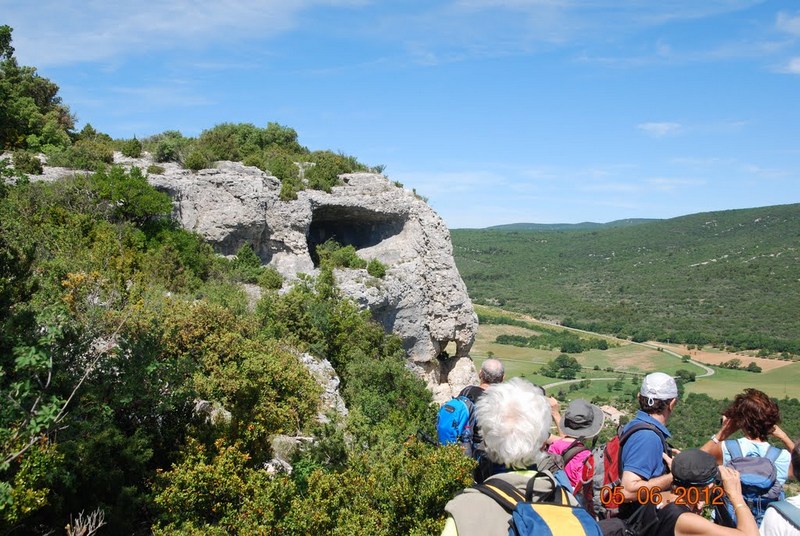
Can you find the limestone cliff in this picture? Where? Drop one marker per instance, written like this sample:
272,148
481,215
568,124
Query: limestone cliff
422,298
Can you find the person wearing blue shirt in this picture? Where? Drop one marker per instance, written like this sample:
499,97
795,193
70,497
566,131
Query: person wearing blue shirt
643,454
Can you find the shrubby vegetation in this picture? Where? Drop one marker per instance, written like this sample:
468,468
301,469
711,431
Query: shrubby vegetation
718,278
114,323
563,366
331,254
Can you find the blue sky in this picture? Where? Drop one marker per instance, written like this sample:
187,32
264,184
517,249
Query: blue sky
497,111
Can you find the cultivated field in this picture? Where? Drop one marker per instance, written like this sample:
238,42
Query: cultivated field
779,378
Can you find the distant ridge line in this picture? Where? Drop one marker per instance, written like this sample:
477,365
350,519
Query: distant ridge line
583,226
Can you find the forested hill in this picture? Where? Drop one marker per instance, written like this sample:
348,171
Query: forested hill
583,226
728,277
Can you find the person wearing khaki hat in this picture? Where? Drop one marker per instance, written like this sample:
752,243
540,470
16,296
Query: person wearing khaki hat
580,421
643,455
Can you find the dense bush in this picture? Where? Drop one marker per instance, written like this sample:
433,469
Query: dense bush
83,154
198,159
167,146
270,278
31,115
131,148
324,174
376,268
334,255
26,162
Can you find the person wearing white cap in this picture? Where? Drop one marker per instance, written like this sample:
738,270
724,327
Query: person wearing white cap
643,454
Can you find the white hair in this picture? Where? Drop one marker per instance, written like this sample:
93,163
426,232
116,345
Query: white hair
515,422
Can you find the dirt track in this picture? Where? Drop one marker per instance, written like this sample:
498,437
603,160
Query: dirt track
717,357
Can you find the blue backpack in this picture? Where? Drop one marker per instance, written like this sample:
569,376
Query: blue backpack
455,423
760,486
540,514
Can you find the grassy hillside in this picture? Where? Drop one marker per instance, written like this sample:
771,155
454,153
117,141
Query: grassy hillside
727,277
584,226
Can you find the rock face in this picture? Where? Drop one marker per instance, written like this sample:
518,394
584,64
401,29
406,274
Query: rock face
422,298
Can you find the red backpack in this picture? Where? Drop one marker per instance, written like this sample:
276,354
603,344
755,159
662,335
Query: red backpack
598,491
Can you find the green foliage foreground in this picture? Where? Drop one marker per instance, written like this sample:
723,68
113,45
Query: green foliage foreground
115,324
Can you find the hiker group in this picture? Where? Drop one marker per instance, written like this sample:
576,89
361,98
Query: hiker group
531,481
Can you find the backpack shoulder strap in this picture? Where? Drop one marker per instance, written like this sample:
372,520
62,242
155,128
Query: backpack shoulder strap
472,392
722,515
789,512
772,453
504,493
575,448
466,400
635,427
733,448
641,426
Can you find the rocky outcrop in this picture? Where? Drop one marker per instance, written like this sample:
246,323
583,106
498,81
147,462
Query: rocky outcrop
422,298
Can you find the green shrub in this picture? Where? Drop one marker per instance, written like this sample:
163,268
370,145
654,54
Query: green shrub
154,169
167,150
129,196
324,174
26,162
283,137
281,164
289,190
334,255
270,278
167,146
83,154
376,268
246,265
198,159
132,148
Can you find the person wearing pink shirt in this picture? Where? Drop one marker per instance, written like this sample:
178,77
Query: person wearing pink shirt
581,421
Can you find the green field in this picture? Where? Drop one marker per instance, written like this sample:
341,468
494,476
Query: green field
778,383
627,359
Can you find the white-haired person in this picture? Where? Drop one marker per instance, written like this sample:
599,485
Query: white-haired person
515,421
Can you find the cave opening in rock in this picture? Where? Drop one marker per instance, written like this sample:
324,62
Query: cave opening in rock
350,226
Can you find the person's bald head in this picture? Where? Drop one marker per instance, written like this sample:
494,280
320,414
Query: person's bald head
492,371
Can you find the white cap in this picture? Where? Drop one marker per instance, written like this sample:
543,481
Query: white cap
659,386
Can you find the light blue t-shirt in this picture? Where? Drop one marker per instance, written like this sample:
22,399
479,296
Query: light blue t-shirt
760,448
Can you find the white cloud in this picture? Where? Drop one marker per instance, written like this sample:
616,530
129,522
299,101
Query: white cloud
788,23
767,173
791,67
96,31
659,130
176,94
